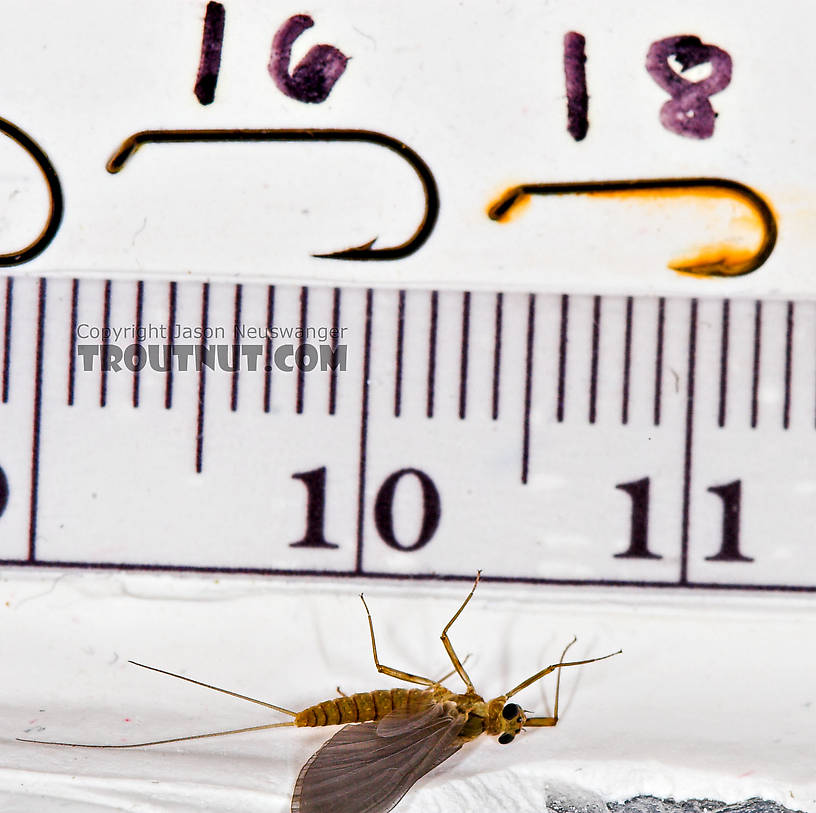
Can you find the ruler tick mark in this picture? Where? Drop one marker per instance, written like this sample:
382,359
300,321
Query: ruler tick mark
236,343
35,440
363,431
788,366
528,389
757,349
593,372
724,336
72,341
562,357
270,317
658,385
103,376
432,353
301,374
171,327
692,357
205,304
627,361
335,333
398,362
138,339
463,361
497,342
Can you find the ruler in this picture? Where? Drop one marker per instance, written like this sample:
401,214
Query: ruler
646,441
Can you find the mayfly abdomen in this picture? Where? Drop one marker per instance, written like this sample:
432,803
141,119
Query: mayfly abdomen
362,707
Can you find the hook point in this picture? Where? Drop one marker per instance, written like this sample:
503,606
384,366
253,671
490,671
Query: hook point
351,253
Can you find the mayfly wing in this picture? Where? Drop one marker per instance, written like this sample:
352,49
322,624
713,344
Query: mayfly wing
360,771
401,721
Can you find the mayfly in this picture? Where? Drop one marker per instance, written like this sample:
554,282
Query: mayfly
390,737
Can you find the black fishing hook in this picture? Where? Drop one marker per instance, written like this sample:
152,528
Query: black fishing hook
362,252
55,200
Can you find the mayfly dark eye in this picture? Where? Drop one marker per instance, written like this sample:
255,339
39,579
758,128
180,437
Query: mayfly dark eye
390,737
510,711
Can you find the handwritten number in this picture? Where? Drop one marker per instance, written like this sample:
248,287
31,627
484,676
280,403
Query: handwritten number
210,62
575,75
689,112
315,75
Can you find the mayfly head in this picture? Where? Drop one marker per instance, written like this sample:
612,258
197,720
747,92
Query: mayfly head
506,720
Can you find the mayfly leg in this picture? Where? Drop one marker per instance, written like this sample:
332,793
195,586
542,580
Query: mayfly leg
553,667
558,679
388,670
457,664
452,671
551,721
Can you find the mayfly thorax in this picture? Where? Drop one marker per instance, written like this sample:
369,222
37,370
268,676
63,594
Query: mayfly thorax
390,737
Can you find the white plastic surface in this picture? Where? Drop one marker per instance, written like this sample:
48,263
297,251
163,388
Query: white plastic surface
712,696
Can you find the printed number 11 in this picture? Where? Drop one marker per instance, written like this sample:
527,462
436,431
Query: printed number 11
731,496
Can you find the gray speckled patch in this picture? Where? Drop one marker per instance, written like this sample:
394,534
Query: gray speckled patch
651,804
564,798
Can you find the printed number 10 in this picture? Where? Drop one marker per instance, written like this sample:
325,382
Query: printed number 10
315,482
